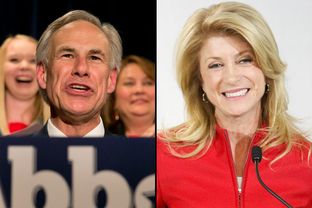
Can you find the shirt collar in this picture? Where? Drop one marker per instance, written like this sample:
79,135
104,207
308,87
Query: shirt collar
98,131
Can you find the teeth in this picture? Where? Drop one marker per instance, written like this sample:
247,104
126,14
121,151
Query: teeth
236,94
24,79
79,87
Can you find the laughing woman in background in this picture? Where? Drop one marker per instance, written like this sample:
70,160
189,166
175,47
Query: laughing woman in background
130,110
21,105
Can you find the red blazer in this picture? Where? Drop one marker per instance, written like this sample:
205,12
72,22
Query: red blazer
210,181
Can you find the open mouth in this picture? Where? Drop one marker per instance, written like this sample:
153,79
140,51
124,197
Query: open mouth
24,79
79,87
238,93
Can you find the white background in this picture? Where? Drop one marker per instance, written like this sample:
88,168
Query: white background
291,24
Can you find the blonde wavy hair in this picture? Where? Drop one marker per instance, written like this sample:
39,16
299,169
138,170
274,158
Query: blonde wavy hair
231,19
42,112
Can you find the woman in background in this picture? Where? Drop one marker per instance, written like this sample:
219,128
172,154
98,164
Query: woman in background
130,110
232,79
21,105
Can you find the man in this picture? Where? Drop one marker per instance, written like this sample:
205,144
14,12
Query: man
77,64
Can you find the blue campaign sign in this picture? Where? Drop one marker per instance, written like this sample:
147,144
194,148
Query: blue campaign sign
112,172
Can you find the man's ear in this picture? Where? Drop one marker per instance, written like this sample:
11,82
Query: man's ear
111,82
41,75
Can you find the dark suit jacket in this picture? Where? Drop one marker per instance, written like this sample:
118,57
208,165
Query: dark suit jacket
30,130
43,131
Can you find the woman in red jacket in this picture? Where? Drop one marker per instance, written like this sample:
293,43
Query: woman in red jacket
232,79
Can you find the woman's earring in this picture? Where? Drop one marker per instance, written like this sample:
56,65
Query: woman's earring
116,115
204,98
267,88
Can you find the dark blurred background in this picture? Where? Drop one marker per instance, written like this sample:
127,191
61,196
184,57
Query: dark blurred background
134,20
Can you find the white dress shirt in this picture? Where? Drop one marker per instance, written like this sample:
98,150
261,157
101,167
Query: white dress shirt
98,131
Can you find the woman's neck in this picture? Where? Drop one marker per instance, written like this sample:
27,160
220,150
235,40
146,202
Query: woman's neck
19,110
139,127
243,125
149,131
240,131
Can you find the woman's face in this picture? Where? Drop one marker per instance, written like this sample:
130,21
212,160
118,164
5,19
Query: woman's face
135,93
232,80
20,69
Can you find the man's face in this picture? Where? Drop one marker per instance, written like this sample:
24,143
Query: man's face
78,77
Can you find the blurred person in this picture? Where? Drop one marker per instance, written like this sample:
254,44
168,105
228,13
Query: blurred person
21,105
130,110
77,63
232,79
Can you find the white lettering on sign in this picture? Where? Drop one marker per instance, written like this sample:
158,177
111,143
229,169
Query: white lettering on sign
26,180
86,181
